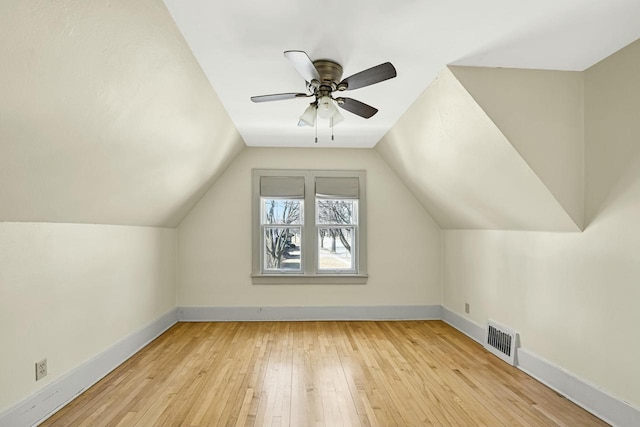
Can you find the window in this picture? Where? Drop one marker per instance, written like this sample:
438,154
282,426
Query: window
309,226
282,228
336,227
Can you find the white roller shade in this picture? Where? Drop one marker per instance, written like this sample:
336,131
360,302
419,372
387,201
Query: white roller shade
282,186
337,187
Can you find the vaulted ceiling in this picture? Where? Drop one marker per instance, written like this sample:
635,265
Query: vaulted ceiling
240,47
105,115
124,112
484,162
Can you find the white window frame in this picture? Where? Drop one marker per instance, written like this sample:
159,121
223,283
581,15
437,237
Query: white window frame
310,273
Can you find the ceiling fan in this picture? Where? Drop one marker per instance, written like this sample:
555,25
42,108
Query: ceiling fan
323,78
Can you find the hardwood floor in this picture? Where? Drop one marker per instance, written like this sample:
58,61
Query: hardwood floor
417,373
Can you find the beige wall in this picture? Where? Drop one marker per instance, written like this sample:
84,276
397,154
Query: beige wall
464,170
105,103
539,112
214,240
572,296
69,291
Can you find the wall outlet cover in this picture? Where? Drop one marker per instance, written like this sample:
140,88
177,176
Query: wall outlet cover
41,369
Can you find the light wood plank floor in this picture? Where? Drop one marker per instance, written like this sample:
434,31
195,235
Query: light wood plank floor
417,373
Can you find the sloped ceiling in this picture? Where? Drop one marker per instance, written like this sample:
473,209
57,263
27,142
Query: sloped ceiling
240,43
463,169
105,115
541,115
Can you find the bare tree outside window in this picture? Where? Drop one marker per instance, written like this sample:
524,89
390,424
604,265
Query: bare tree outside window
335,212
282,219
309,226
336,219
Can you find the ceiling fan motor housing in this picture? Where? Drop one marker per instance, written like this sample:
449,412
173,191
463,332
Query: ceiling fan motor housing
330,72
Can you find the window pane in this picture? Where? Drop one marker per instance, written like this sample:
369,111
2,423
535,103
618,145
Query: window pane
282,211
335,211
282,249
335,248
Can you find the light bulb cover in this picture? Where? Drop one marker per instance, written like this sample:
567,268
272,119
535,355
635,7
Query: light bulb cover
326,107
337,118
308,118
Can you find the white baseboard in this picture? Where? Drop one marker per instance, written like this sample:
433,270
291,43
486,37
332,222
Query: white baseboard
382,312
584,394
47,401
589,396
54,396
464,325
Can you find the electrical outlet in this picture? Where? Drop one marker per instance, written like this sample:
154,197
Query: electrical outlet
466,307
41,369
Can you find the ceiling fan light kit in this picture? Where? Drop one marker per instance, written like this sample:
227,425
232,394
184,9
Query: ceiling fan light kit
326,107
337,118
323,77
308,118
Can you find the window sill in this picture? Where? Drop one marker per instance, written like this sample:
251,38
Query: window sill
301,279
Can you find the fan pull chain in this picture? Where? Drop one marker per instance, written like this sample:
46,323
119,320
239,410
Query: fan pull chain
316,124
332,128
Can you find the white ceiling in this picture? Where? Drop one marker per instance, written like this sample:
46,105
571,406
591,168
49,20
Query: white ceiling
239,45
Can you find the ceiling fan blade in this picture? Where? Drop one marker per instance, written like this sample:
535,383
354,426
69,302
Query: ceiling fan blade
278,97
373,75
302,64
356,107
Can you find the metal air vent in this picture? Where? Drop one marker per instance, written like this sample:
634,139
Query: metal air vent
501,341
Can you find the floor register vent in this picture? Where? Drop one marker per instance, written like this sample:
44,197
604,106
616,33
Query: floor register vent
501,341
